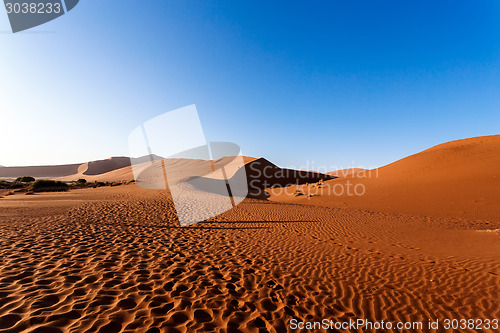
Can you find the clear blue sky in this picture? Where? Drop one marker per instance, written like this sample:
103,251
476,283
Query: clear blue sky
304,83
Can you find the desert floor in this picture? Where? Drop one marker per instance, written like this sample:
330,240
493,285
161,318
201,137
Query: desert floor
112,259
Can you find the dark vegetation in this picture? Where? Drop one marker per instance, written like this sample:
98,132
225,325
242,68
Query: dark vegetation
29,185
45,185
17,184
25,179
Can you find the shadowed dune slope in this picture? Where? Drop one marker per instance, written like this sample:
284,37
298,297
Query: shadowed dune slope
456,179
103,166
259,174
262,174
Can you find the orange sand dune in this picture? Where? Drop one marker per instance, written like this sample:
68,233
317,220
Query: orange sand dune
114,169
67,171
119,175
104,166
345,172
114,259
456,179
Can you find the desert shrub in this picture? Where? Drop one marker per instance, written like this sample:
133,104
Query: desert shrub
25,179
82,181
45,185
4,184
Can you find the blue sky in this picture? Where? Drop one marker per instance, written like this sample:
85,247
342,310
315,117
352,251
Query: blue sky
304,84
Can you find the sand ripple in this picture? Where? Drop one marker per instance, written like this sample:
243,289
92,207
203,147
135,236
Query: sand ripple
121,264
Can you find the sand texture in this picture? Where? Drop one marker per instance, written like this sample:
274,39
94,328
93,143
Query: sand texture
458,179
113,259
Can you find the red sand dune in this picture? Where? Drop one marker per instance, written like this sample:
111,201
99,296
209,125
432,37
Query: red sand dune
68,171
104,166
455,179
114,169
345,172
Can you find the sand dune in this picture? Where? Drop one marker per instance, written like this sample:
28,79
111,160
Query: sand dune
114,169
44,171
262,174
120,175
67,171
346,172
456,179
114,259
104,166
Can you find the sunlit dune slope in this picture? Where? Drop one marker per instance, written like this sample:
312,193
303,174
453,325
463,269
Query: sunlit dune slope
104,166
345,172
119,175
455,179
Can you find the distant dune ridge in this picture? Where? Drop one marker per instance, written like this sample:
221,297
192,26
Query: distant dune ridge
457,178
260,172
39,171
111,169
89,168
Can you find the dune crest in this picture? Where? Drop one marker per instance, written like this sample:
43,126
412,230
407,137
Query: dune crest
346,172
458,179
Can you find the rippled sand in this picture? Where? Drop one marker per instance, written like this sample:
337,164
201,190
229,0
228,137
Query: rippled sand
113,260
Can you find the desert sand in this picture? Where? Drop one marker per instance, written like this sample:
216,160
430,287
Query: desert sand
345,172
458,179
422,244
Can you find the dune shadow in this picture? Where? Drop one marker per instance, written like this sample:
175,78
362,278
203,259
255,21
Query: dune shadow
260,175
